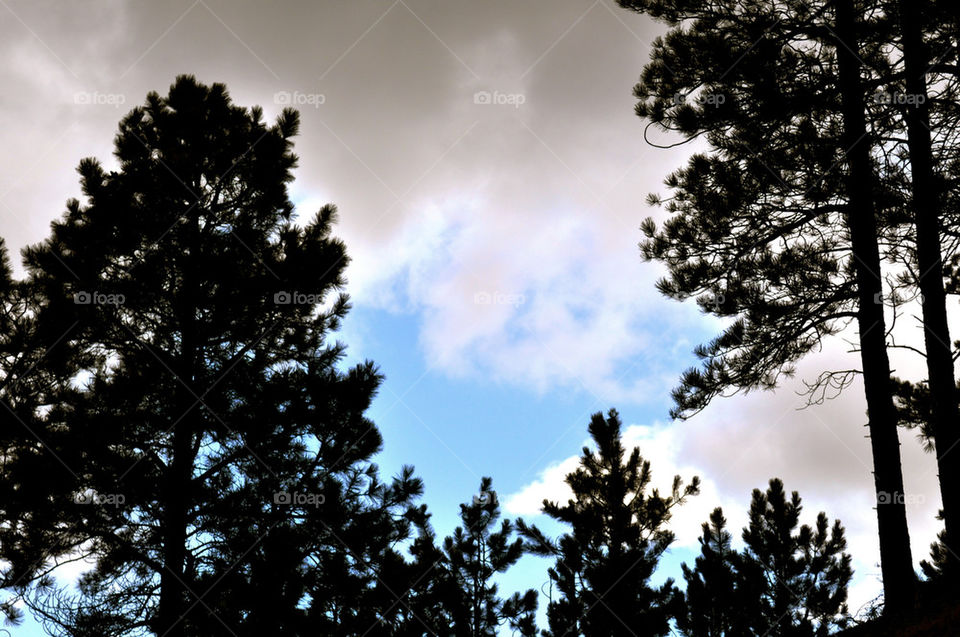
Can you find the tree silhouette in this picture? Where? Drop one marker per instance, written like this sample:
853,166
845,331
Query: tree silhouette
712,606
34,366
618,535
220,453
788,581
777,226
926,200
799,576
424,607
471,557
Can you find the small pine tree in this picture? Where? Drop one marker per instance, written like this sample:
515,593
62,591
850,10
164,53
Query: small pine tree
787,582
471,557
618,535
712,609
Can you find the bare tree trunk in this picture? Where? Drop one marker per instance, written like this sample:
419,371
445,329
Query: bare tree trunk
896,562
945,418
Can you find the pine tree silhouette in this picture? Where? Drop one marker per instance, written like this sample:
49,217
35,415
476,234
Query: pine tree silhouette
778,226
789,581
222,451
618,533
712,607
35,363
471,557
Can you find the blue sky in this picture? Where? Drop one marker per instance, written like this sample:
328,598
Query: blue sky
456,430
491,179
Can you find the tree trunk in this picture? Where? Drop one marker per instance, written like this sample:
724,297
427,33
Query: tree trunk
172,579
896,562
943,413
174,589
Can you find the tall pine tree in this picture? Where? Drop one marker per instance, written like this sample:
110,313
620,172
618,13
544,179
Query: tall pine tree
712,607
475,553
777,226
218,451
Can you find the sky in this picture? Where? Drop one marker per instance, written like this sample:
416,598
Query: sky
491,177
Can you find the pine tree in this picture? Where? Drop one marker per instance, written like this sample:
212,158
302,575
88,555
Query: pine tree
427,582
927,200
777,227
788,581
618,533
219,453
799,576
34,364
712,608
472,556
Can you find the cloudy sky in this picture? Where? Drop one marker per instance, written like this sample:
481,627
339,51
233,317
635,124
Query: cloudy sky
490,175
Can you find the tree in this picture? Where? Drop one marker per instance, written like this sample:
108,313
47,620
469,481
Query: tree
34,364
218,452
777,226
712,608
927,202
424,607
786,582
618,533
800,577
472,556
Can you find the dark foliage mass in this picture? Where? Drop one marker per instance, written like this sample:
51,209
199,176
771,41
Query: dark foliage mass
825,198
177,413
618,533
789,579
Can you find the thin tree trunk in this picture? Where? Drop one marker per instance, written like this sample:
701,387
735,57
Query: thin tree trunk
945,418
172,589
173,585
896,562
